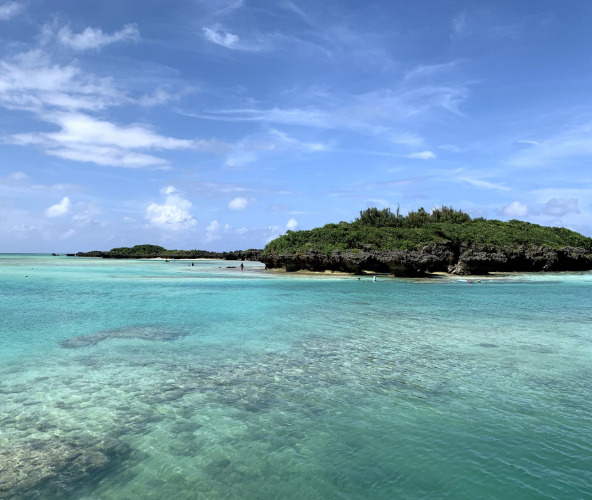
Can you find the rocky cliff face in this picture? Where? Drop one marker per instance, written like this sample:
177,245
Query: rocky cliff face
435,257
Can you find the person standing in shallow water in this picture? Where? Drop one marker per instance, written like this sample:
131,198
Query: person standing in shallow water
374,278
242,266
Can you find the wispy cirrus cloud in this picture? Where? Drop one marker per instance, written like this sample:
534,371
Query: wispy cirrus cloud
249,149
284,141
355,111
480,183
384,113
223,38
218,36
459,25
424,71
574,142
399,182
219,9
95,39
487,23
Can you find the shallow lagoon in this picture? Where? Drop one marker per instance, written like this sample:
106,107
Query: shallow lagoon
153,379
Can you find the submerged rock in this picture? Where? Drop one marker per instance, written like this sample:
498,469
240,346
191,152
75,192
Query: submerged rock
142,332
36,467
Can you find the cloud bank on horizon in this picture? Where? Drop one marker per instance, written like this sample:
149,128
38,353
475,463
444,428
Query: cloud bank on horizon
222,124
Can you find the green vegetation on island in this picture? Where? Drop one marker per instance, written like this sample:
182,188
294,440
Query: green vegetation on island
155,252
420,243
377,230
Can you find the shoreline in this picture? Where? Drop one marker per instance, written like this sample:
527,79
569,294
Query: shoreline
438,275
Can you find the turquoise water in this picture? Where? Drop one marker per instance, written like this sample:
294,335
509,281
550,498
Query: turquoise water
148,379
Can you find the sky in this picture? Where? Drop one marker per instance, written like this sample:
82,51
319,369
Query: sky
221,124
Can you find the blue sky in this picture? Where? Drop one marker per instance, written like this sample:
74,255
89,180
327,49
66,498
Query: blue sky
220,124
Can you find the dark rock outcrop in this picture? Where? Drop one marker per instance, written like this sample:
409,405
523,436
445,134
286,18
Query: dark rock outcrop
431,258
140,332
485,259
436,257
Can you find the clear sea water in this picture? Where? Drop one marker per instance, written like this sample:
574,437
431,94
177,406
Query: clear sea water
161,380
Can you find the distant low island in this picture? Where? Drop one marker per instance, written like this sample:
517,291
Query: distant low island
420,243
158,252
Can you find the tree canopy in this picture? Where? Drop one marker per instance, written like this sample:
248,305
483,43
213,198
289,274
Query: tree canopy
383,229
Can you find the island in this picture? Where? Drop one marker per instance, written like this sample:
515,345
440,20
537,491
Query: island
420,243
158,252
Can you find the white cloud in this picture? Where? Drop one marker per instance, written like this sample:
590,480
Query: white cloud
238,203
240,158
81,128
515,209
10,9
86,139
30,82
63,96
61,208
422,155
559,207
174,214
292,224
213,232
224,39
94,38
169,190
